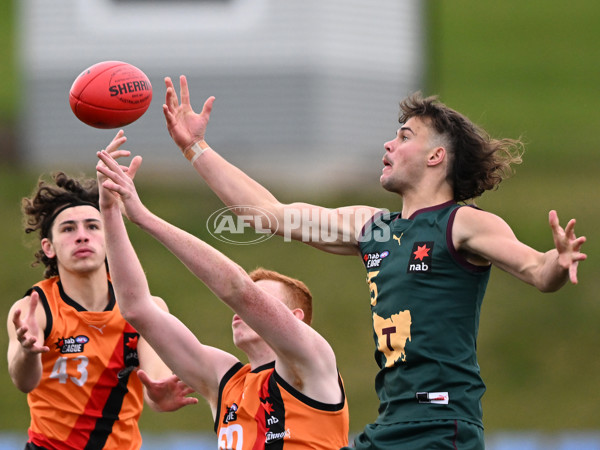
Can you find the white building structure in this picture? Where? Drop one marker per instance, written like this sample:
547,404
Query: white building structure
306,90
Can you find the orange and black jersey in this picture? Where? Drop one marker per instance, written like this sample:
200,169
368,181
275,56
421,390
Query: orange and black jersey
88,397
257,409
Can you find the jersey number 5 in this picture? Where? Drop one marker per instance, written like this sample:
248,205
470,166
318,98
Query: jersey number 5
372,286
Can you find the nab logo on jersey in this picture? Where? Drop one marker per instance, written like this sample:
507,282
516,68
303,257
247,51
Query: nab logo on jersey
130,353
72,344
421,257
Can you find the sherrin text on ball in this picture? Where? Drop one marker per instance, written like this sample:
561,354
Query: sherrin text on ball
110,94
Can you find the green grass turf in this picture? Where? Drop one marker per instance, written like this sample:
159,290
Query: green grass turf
8,73
536,350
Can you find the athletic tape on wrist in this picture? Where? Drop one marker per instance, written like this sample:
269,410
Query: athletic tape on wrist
193,152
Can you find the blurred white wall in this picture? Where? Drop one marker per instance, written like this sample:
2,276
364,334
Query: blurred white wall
307,90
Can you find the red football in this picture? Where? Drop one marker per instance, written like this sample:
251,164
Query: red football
110,94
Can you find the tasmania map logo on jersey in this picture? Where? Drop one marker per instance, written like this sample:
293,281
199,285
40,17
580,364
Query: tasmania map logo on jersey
73,344
421,257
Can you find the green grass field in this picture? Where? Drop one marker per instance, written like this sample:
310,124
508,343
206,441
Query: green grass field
8,73
526,68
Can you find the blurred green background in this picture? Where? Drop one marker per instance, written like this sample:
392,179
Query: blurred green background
517,68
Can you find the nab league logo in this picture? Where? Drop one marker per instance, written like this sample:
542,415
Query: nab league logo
231,415
421,257
72,344
374,260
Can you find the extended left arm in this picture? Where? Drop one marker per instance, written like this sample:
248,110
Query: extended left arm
483,235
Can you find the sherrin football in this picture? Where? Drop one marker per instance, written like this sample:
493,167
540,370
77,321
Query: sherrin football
110,94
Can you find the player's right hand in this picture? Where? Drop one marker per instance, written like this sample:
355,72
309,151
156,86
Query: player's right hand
185,126
27,328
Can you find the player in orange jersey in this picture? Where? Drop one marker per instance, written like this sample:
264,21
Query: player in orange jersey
70,349
290,395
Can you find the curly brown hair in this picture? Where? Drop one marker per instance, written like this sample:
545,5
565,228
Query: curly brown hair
478,163
300,296
39,210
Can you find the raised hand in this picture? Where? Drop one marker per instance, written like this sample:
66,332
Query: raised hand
119,183
27,328
185,126
567,245
113,149
168,394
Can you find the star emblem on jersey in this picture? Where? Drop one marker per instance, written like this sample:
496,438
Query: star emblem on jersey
421,252
421,257
132,343
130,353
268,406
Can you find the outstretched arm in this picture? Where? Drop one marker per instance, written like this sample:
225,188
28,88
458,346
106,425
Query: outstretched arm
171,339
25,342
163,391
487,236
332,230
305,355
